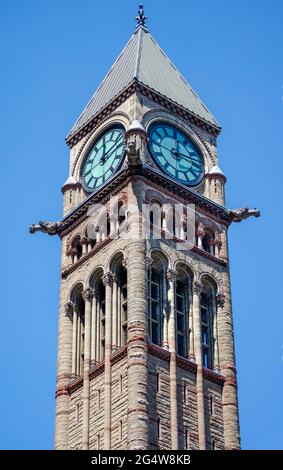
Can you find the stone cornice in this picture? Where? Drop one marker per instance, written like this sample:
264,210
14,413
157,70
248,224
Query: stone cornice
154,179
159,352
97,369
164,101
186,364
212,376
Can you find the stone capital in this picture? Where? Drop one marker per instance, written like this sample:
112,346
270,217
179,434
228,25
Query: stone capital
148,263
220,300
107,279
197,288
171,275
69,308
125,263
87,294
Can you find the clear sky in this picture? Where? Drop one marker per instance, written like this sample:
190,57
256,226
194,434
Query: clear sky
53,55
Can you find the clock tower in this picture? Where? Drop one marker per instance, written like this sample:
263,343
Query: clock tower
146,343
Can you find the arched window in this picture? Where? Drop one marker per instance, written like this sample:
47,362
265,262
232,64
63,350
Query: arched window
119,301
208,242
78,331
157,291
77,248
122,273
97,317
121,213
154,306
182,307
208,325
155,219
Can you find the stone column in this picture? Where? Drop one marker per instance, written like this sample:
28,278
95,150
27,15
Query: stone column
228,367
165,342
137,344
115,314
197,287
87,296
64,367
171,275
93,356
107,280
74,340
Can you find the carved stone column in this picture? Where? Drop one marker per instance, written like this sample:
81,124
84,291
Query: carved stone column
197,288
94,319
228,367
115,313
108,281
138,418
165,342
64,367
171,275
87,296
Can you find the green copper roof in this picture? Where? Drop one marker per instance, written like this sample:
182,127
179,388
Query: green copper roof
143,60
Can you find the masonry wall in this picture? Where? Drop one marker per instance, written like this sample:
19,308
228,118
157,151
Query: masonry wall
75,420
187,409
119,399
214,415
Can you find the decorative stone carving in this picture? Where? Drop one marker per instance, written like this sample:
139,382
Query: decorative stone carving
171,275
220,300
107,279
52,228
69,309
148,263
87,294
237,215
197,288
125,263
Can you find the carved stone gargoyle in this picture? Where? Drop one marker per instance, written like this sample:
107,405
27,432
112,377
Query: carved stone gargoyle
237,215
52,228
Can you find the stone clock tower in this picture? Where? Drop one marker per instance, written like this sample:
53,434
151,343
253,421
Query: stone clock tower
146,344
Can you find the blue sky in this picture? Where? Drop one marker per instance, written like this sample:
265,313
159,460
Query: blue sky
52,57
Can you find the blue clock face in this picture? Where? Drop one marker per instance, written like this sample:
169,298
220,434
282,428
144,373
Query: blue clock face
103,159
175,154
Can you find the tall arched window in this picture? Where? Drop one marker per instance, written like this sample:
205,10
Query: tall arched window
78,330
97,317
183,310
119,301
157,299
208,323
154,306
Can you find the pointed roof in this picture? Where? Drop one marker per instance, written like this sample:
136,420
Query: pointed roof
143,61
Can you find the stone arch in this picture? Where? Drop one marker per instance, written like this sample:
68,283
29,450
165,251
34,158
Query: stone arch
159,114
116,118
116,260
76,290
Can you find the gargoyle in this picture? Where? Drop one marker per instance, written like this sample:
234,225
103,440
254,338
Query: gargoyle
237,215
52,228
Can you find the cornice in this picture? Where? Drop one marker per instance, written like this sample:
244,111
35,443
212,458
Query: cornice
164,101
153,178
212,376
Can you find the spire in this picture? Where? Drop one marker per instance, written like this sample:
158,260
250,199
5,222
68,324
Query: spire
141,17
143,62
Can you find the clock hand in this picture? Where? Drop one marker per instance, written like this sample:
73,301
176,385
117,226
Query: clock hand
106,155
